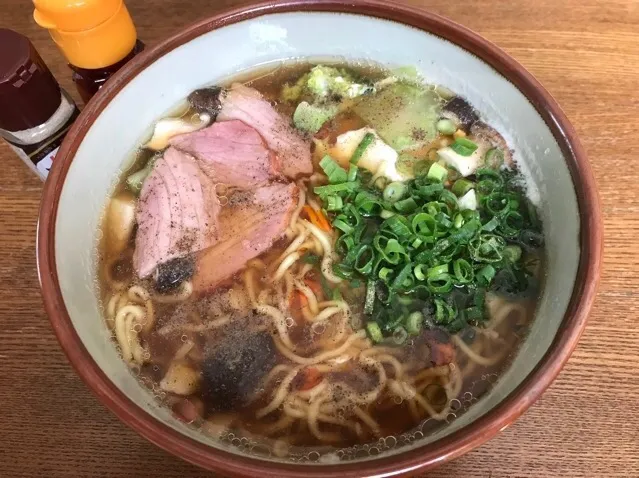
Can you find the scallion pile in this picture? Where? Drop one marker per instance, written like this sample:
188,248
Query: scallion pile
425,261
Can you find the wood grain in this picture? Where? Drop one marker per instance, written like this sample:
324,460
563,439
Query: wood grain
585,425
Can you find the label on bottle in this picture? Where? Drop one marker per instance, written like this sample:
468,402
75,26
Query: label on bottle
40,156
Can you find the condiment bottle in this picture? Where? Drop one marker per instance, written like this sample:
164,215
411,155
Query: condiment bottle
35,113
96,36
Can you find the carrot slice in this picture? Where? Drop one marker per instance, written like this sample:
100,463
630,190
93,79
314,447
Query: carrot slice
310,213
317,218
323,222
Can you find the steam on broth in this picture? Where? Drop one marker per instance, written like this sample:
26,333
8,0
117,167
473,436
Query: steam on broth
320,256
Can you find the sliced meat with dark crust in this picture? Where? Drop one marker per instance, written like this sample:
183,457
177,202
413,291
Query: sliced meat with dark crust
232,153
177,212
250,224
246,104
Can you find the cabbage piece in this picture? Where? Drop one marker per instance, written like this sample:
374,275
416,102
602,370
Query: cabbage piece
310,118
404,115
326,80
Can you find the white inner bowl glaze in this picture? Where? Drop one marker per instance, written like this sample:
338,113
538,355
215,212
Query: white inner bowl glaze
222,53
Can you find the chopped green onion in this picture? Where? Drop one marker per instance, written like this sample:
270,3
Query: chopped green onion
463,271
446,126
364,260
419,272
361,148
424,225
440,284
368,204
494,158
334,203
491,225
464,146
352,173
438,172
324,191
374,332
398,225
485,275
406,205
487,248
412,245
462,186
512,253
399,335
333,171
343,226
343,271
437,270
394,191
384,273
413,323
402,276
459,221
369,302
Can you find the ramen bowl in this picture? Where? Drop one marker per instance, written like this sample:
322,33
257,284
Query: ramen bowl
444,53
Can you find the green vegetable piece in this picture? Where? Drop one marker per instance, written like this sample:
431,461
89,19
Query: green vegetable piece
485,275
414,322
334,171
292,93
512,253
334,203
374,332
404,115
369,302
324,191
462,186
325,80
494,158
399,335
361,147
446,126
385,214
394,191
463,271
438,172
352,172
464,146
407,205
310,118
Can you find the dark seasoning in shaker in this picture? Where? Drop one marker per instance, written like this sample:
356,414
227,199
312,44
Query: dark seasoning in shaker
35,113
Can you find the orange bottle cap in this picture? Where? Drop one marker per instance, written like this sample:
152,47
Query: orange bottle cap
92,34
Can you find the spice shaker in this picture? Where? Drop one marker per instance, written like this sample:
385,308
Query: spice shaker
97,38
35,113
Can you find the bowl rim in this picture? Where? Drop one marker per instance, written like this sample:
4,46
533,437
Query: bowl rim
404,463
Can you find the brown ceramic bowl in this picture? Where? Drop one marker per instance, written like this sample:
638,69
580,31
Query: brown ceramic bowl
446,53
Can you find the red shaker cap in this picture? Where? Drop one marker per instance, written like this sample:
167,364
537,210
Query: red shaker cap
29,94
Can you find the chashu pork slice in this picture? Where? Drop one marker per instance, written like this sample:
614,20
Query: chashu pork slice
246,104
249,224
177,212
231,153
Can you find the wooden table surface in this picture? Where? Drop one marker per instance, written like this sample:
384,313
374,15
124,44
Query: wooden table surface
586,425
